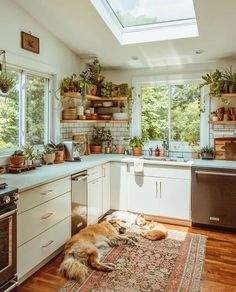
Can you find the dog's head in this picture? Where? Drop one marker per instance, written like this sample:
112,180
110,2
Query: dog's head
140,220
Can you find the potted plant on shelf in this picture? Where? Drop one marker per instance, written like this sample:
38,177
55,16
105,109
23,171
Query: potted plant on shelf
59,154
99,135
29,154
49,153
207,152
17,159
229,77
137,143
215,81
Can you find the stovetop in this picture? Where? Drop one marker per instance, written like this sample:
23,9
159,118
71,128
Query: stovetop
8,195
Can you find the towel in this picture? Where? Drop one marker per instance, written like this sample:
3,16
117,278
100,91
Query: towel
138,166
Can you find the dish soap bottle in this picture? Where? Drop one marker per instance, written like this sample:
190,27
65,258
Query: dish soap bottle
157,151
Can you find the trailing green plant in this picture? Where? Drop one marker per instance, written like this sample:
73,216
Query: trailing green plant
18,152
6,83
130,102
137,141
69,83
207,149
106,89
92,74
100,135
215,81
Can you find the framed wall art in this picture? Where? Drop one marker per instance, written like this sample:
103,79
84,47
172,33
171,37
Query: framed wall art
29,42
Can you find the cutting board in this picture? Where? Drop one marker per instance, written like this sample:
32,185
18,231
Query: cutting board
225,148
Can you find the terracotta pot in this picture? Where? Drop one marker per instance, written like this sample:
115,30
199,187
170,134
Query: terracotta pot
137,151
93,91
59,156
96,149
49,158
195,155
17,160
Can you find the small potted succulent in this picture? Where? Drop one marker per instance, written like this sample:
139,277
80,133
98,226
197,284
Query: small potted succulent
59,154
207,152
17,158
49,153
137,143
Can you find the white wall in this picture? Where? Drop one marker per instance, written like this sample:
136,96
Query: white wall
54,58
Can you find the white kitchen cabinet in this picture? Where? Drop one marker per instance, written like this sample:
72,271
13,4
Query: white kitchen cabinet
106,188
143,195
174,198
119,187
160,191
94,200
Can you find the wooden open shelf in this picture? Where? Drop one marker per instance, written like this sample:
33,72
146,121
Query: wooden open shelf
95,98
226,95
95,121
222,123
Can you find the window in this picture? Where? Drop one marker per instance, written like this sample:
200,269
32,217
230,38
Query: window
138,21
24,111
171,112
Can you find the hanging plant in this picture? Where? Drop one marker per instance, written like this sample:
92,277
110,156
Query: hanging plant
6,83
130,101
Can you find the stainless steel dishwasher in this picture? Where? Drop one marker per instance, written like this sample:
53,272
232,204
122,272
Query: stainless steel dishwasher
214,197
79,205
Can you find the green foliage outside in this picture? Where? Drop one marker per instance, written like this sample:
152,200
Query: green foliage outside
9,113
185,113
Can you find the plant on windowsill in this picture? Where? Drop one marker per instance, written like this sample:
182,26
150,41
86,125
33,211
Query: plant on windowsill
59,154
136,143
49,153
29,154
195,149
207,152
17,159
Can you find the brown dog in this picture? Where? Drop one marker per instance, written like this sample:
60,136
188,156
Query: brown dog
82,248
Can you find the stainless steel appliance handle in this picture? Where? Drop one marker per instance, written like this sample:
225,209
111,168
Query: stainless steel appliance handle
14,285
8,214
79,178
215,173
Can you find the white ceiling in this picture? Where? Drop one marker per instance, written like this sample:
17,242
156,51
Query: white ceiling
80,27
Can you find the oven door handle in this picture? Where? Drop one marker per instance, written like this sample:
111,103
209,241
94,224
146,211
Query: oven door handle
215,173
14,285
8,214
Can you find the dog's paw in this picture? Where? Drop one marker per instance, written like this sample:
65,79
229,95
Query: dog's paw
109,268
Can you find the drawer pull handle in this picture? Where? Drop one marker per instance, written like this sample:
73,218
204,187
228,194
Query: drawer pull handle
47,192
46,216
47,244
214,219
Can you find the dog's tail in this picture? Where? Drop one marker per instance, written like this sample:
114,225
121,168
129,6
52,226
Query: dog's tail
72,268
155,234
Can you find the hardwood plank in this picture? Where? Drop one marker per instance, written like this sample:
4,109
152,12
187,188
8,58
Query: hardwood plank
219,273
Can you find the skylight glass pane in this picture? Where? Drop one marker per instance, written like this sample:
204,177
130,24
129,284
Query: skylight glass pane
144,12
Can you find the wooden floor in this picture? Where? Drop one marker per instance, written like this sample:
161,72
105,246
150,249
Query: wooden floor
219,270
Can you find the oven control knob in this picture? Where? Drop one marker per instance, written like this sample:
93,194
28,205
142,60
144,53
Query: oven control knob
15,196
6,199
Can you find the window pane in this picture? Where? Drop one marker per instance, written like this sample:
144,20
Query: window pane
143,12
35,101
185,114
9,115
154,112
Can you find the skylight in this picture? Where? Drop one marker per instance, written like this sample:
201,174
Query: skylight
137,21
142,12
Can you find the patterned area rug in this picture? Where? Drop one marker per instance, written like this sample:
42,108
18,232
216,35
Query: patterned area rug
172,264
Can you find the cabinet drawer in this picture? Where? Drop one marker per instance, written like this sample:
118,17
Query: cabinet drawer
36,220
44,193
164,171
94,173
33,252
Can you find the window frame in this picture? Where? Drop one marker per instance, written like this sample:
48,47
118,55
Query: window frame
136,123
23,72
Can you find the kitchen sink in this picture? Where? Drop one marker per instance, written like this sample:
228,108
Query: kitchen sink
171,159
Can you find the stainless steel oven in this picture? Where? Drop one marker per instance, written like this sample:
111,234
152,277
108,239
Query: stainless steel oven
8,217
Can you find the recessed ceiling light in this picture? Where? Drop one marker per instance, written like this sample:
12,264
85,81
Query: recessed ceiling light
134,58
199,52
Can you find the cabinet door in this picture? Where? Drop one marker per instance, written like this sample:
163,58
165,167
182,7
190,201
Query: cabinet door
175,198
94,200
105,188
143,195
